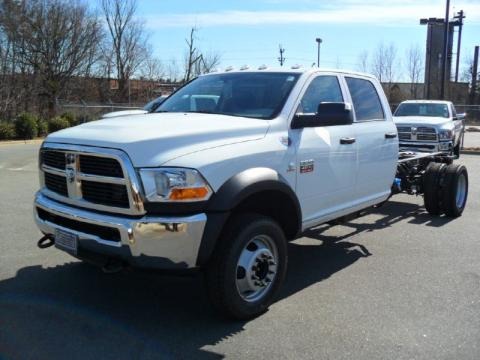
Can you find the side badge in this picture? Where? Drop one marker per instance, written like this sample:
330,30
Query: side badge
306,166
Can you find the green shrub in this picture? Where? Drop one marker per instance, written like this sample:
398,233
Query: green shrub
7,131
57,123
26,126
42,127
70,117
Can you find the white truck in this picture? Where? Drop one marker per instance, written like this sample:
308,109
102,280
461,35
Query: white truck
429,126
224,184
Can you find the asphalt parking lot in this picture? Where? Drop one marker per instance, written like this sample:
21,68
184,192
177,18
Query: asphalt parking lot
394,284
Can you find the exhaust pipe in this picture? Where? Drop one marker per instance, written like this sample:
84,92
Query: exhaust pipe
46,241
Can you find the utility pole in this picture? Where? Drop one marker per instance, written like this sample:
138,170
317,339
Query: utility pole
319,41
460,18
445,50
473,91
281,58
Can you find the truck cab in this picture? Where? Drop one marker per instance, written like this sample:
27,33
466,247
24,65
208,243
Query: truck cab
220,184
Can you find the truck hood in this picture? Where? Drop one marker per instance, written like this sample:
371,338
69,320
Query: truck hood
421,120
153,139
124,113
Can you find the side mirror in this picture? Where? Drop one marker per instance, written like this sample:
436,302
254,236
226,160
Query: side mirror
461,116
328,114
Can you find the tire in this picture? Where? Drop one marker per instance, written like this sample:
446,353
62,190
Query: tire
456,151
431,188
455,190
248,239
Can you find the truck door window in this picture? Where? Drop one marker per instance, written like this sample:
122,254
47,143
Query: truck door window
323,88
365,100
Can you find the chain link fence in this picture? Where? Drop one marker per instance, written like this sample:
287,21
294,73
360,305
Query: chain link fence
84,111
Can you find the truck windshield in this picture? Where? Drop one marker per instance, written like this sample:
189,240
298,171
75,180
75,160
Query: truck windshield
418,109
254,95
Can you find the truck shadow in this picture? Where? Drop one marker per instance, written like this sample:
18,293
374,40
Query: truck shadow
76,311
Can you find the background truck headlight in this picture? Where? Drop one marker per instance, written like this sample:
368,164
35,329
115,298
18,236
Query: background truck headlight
174,184
445,134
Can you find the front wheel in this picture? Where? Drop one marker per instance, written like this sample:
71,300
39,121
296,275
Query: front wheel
248,266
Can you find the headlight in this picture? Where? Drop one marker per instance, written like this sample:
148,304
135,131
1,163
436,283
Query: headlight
445,135
174,184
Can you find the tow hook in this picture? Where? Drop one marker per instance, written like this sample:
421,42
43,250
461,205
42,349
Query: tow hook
45,242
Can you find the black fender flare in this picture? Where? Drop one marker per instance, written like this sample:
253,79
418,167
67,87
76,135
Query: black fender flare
236,189
248,182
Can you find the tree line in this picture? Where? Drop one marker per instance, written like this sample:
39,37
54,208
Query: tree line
49,49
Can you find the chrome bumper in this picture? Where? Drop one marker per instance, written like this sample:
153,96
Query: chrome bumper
148,241
443,146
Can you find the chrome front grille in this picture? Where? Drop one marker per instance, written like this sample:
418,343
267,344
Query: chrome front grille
421,133
96,178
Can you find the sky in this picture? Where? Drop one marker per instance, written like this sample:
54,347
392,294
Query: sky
250,31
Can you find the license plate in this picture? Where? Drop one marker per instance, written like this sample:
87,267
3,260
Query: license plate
66,241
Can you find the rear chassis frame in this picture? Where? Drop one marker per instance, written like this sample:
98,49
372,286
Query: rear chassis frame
411,168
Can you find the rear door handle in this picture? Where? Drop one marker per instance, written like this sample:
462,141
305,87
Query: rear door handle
390,135
347,140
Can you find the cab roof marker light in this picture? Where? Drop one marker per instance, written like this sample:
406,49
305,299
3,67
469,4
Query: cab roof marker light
245,67
296,66
229,68
263,67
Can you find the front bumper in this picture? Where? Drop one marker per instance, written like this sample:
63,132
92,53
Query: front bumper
148,241
442,146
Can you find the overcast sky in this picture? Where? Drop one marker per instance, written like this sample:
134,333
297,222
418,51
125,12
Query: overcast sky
250,31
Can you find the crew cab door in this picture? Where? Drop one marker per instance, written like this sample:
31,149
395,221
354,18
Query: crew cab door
325,155
377,140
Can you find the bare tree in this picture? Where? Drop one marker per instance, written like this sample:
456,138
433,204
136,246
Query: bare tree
195,61
384,66
172,70
152,72
210,61
192,56
129,40
414,68
53,41
362,63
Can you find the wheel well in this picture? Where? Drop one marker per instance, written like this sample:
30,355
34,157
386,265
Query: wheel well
275,204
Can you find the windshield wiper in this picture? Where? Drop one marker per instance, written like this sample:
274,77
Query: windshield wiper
201,112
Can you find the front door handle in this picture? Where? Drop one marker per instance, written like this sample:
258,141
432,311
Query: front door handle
347,140
391,135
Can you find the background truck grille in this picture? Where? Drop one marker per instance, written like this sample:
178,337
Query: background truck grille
422,133
86,179
56,183
107,194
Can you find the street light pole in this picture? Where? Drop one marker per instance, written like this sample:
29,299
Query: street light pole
319,41
445,51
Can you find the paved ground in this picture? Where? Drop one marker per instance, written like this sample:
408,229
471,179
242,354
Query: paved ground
395,284
472,139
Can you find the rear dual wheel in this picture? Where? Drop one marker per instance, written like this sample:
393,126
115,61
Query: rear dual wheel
445,189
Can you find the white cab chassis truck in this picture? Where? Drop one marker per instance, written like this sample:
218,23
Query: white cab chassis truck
222,183
429,126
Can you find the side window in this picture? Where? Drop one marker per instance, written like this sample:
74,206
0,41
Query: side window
324,88
454,111
365,99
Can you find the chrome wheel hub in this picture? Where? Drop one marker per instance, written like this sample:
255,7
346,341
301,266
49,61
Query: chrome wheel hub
256,268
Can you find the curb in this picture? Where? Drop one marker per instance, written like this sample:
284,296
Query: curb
24,142
470,152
